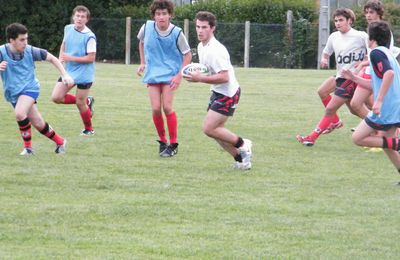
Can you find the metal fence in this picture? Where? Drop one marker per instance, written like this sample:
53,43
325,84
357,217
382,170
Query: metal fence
269,44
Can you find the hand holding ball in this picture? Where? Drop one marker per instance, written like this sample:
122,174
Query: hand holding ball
194,68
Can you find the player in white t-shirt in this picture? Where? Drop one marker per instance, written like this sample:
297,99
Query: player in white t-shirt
350,47
225,91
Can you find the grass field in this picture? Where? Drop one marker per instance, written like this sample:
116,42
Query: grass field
112,197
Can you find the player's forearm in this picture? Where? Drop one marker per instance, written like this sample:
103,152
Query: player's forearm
53,60
219,78
141,52
187,58
385,85
89,58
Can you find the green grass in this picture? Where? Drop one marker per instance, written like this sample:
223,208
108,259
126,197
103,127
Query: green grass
112,197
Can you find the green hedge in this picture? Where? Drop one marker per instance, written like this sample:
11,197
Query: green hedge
270,45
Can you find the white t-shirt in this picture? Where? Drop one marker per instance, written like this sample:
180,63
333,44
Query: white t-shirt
349,48
216,57
183,44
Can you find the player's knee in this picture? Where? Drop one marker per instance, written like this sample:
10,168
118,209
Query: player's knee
355,105
19,115
207,130
156,111
56,99
167,109
356,139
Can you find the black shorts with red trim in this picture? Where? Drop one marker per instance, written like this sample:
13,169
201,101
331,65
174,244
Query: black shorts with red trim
345,88
380,127
223,104
80,86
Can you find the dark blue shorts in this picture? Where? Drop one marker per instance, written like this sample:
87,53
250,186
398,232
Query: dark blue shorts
345,88
223,104
34,95
380,127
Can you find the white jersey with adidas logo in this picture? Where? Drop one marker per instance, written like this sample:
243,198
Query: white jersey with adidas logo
349,48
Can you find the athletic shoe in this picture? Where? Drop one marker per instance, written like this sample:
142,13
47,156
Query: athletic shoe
245,151
353,129
86,132
171,150
27,152
241,166
90,103
163,146
61,148
333,126
305,140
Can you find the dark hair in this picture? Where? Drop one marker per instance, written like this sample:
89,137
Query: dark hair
160,5
346,13
81,8
380,32
207,16
15,29
375,5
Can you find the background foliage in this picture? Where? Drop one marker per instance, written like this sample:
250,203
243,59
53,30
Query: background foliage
270,43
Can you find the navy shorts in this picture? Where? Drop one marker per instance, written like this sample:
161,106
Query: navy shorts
223,104
380,127
34,95
345,88
80,86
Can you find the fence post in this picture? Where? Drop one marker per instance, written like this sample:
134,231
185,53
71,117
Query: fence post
186,29
289,22
246,44
128,40
323,30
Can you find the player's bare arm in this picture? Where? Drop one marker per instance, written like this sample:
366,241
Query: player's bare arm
89,58
219,78
64,75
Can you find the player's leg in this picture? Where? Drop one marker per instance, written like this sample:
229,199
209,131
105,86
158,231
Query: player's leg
82,93
364,135
393,155
237,147
358,101
45,129
21,108
325,89
167,96
155,102
326,121
60,94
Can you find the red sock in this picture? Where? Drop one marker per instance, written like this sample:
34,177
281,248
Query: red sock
51,134
322,125
391,143
26,132
159,124
87,120
69,99
326,101
172,123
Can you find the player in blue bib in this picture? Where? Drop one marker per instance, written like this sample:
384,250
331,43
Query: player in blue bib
385,82
163,51
21,88
78,52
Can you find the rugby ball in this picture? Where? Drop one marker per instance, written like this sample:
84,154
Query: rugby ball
195,67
